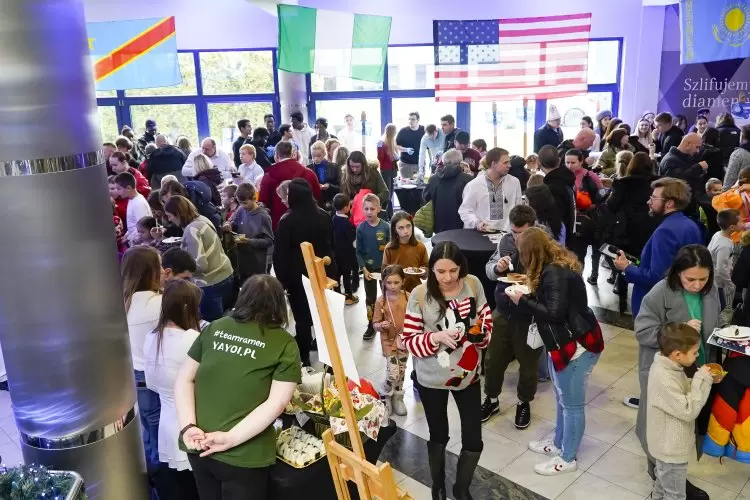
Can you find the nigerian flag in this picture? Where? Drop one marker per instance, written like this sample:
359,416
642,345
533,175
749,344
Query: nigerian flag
332,43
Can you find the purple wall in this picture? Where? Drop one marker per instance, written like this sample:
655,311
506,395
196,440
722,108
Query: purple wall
221,24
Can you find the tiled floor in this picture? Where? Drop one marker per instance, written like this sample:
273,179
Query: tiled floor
611,463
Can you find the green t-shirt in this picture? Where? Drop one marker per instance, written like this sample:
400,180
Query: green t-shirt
238,362
694,302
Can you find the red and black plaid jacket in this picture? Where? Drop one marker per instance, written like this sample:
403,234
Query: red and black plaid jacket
591,341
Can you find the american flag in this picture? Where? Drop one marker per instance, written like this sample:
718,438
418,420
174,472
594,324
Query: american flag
511,59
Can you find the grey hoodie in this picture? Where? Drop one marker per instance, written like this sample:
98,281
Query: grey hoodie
256,226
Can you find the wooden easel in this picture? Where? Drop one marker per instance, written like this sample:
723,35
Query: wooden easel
346,465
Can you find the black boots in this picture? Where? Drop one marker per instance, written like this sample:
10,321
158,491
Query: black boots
695,493
467,464
436,453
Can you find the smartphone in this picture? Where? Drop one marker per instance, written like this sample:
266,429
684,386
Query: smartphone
235,175
614,252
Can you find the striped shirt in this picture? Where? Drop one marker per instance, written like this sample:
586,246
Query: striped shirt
437,366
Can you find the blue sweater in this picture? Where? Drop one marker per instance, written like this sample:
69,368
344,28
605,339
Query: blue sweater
371,242
674,232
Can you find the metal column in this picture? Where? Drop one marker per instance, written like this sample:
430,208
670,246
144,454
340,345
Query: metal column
292,95
63,329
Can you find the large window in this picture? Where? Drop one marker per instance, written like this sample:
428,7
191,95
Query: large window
572,109
247,72
320,83
604,59
335,112
222,119
429,110
411,67
510,125
108,120
173,120
187,87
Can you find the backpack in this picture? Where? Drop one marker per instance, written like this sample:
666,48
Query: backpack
424,219
200,195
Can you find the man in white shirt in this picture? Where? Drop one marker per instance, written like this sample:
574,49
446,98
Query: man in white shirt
488,199
218,158
138,207
301,134
349,136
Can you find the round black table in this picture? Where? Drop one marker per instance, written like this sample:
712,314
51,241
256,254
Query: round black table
477,248
410,198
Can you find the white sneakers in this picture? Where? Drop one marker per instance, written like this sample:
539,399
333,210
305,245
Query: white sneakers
554,466
545,447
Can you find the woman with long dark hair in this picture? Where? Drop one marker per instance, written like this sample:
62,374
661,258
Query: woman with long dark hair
447,324
711,154
165,350
630,224
304,221
547,214
587,122
571,335
358,175
687,295
141,286
239,375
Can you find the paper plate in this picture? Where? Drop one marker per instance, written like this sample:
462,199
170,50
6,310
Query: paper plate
734,333
376,276
414,271
173,240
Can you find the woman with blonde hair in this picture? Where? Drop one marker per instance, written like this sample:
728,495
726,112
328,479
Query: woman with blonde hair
388,154
570,332
141,287
622,160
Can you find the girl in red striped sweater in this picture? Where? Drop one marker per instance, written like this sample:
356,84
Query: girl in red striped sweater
447,323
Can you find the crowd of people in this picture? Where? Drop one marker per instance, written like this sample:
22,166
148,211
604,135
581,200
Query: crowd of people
210,250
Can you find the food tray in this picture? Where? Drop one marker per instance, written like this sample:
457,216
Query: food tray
278,457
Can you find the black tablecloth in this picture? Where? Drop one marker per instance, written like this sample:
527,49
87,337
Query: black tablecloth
477,248
315,481
410,199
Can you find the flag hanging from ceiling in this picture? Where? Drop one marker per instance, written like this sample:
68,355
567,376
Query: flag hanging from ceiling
714,30
333,43
511,59
135,54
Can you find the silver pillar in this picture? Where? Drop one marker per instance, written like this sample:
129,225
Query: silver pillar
63,330
292,95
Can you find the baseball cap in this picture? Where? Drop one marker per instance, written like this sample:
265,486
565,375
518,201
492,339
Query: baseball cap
150,124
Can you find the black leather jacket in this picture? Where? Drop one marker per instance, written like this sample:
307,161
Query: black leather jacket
560,307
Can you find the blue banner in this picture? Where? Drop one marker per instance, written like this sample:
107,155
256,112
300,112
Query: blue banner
714,30
134,54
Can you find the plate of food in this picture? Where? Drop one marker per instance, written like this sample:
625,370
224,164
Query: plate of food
415,271
734,333
376,276
173,240
514,278
518,288
299,449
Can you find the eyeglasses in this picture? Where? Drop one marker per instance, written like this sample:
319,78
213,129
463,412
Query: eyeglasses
657,198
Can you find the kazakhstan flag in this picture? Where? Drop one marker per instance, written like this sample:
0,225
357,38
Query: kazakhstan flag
714,30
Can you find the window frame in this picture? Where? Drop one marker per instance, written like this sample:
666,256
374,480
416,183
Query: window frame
201,101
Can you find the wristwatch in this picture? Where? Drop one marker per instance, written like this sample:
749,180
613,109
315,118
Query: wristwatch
185,429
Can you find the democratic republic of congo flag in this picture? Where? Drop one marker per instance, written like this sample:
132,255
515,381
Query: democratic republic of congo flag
135,54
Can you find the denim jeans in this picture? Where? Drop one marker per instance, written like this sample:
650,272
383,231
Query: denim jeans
149,411
570,395
212,301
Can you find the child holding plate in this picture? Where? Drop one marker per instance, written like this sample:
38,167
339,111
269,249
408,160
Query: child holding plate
404,249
